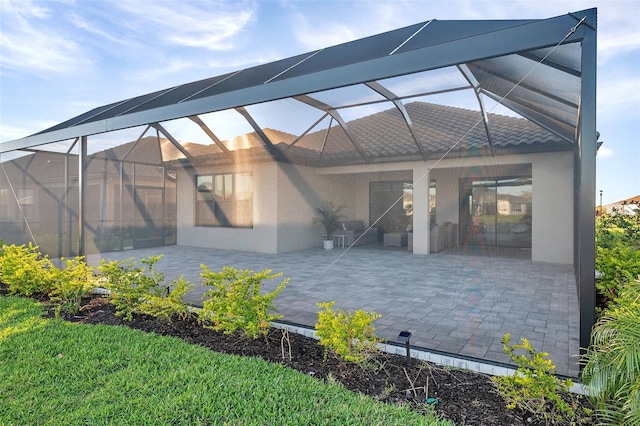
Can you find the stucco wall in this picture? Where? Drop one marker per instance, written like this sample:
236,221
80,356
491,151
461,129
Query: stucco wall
552,173
352,185
553,208
285,198
300,191
261,238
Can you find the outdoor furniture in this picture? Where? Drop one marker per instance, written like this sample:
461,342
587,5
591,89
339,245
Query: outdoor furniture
395,239
356,233
340,239
436,242
450,234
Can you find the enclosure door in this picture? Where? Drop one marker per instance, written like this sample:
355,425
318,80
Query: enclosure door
149,231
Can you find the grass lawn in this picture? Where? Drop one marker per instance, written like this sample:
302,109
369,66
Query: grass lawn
58,373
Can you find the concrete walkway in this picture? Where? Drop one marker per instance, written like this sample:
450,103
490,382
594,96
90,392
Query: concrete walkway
456,303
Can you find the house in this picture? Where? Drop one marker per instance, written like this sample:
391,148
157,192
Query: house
627,206
494,120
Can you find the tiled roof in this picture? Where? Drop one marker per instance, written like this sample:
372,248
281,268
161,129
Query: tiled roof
385,137
379,137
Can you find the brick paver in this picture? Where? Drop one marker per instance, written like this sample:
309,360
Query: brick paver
456,303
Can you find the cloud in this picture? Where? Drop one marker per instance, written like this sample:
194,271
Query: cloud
83,23
619,95
613,44
340,22
605,152
209,25
30,42
12,132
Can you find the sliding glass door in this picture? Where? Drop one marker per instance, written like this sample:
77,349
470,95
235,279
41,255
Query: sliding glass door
496,212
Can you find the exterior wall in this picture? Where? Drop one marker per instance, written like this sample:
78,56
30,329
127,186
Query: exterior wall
553,224
552,221
261,238
300,191
285,198
351,185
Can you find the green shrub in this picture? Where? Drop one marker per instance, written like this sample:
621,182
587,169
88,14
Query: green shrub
71,284
168,304
235,302
130,285
619,265
107,240
617,253
618,229
533,387
350,335
25,270
612,363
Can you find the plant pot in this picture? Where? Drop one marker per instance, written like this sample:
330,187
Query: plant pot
328,244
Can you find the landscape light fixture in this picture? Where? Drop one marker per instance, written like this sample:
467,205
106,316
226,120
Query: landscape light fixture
404,337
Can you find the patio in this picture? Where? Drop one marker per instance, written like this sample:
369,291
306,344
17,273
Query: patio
459,303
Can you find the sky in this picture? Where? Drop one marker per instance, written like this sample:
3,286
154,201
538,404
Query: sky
59,59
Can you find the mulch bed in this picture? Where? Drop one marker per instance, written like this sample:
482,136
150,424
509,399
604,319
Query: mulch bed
465,397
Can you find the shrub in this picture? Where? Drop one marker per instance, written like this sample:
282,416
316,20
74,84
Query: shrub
107,240
130,285
168,304
235,303
533,387
350,335
617,253
25,270
612,363
619,266
71,284
616,229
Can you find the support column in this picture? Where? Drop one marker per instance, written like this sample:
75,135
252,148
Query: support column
585,200
82,194
421,225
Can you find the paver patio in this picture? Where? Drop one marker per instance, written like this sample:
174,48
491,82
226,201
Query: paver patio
458,303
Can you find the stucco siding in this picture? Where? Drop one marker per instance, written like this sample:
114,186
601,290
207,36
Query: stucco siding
261,238
552,208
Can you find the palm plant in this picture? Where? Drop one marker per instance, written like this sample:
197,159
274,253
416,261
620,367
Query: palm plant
612,368
329,216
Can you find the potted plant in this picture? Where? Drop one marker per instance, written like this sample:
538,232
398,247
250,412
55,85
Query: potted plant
329,216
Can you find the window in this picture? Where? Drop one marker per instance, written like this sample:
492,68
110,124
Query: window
224,200
496,211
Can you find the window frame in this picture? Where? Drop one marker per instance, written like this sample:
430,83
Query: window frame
223,196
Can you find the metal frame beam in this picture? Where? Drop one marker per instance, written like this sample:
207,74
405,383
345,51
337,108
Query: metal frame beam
310,128
261,134
506,41
374,85
585,187
336,116
528,116
523,84
468,75
209,132
550,63
173,140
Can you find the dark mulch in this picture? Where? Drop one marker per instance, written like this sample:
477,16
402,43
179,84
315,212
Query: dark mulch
465,397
